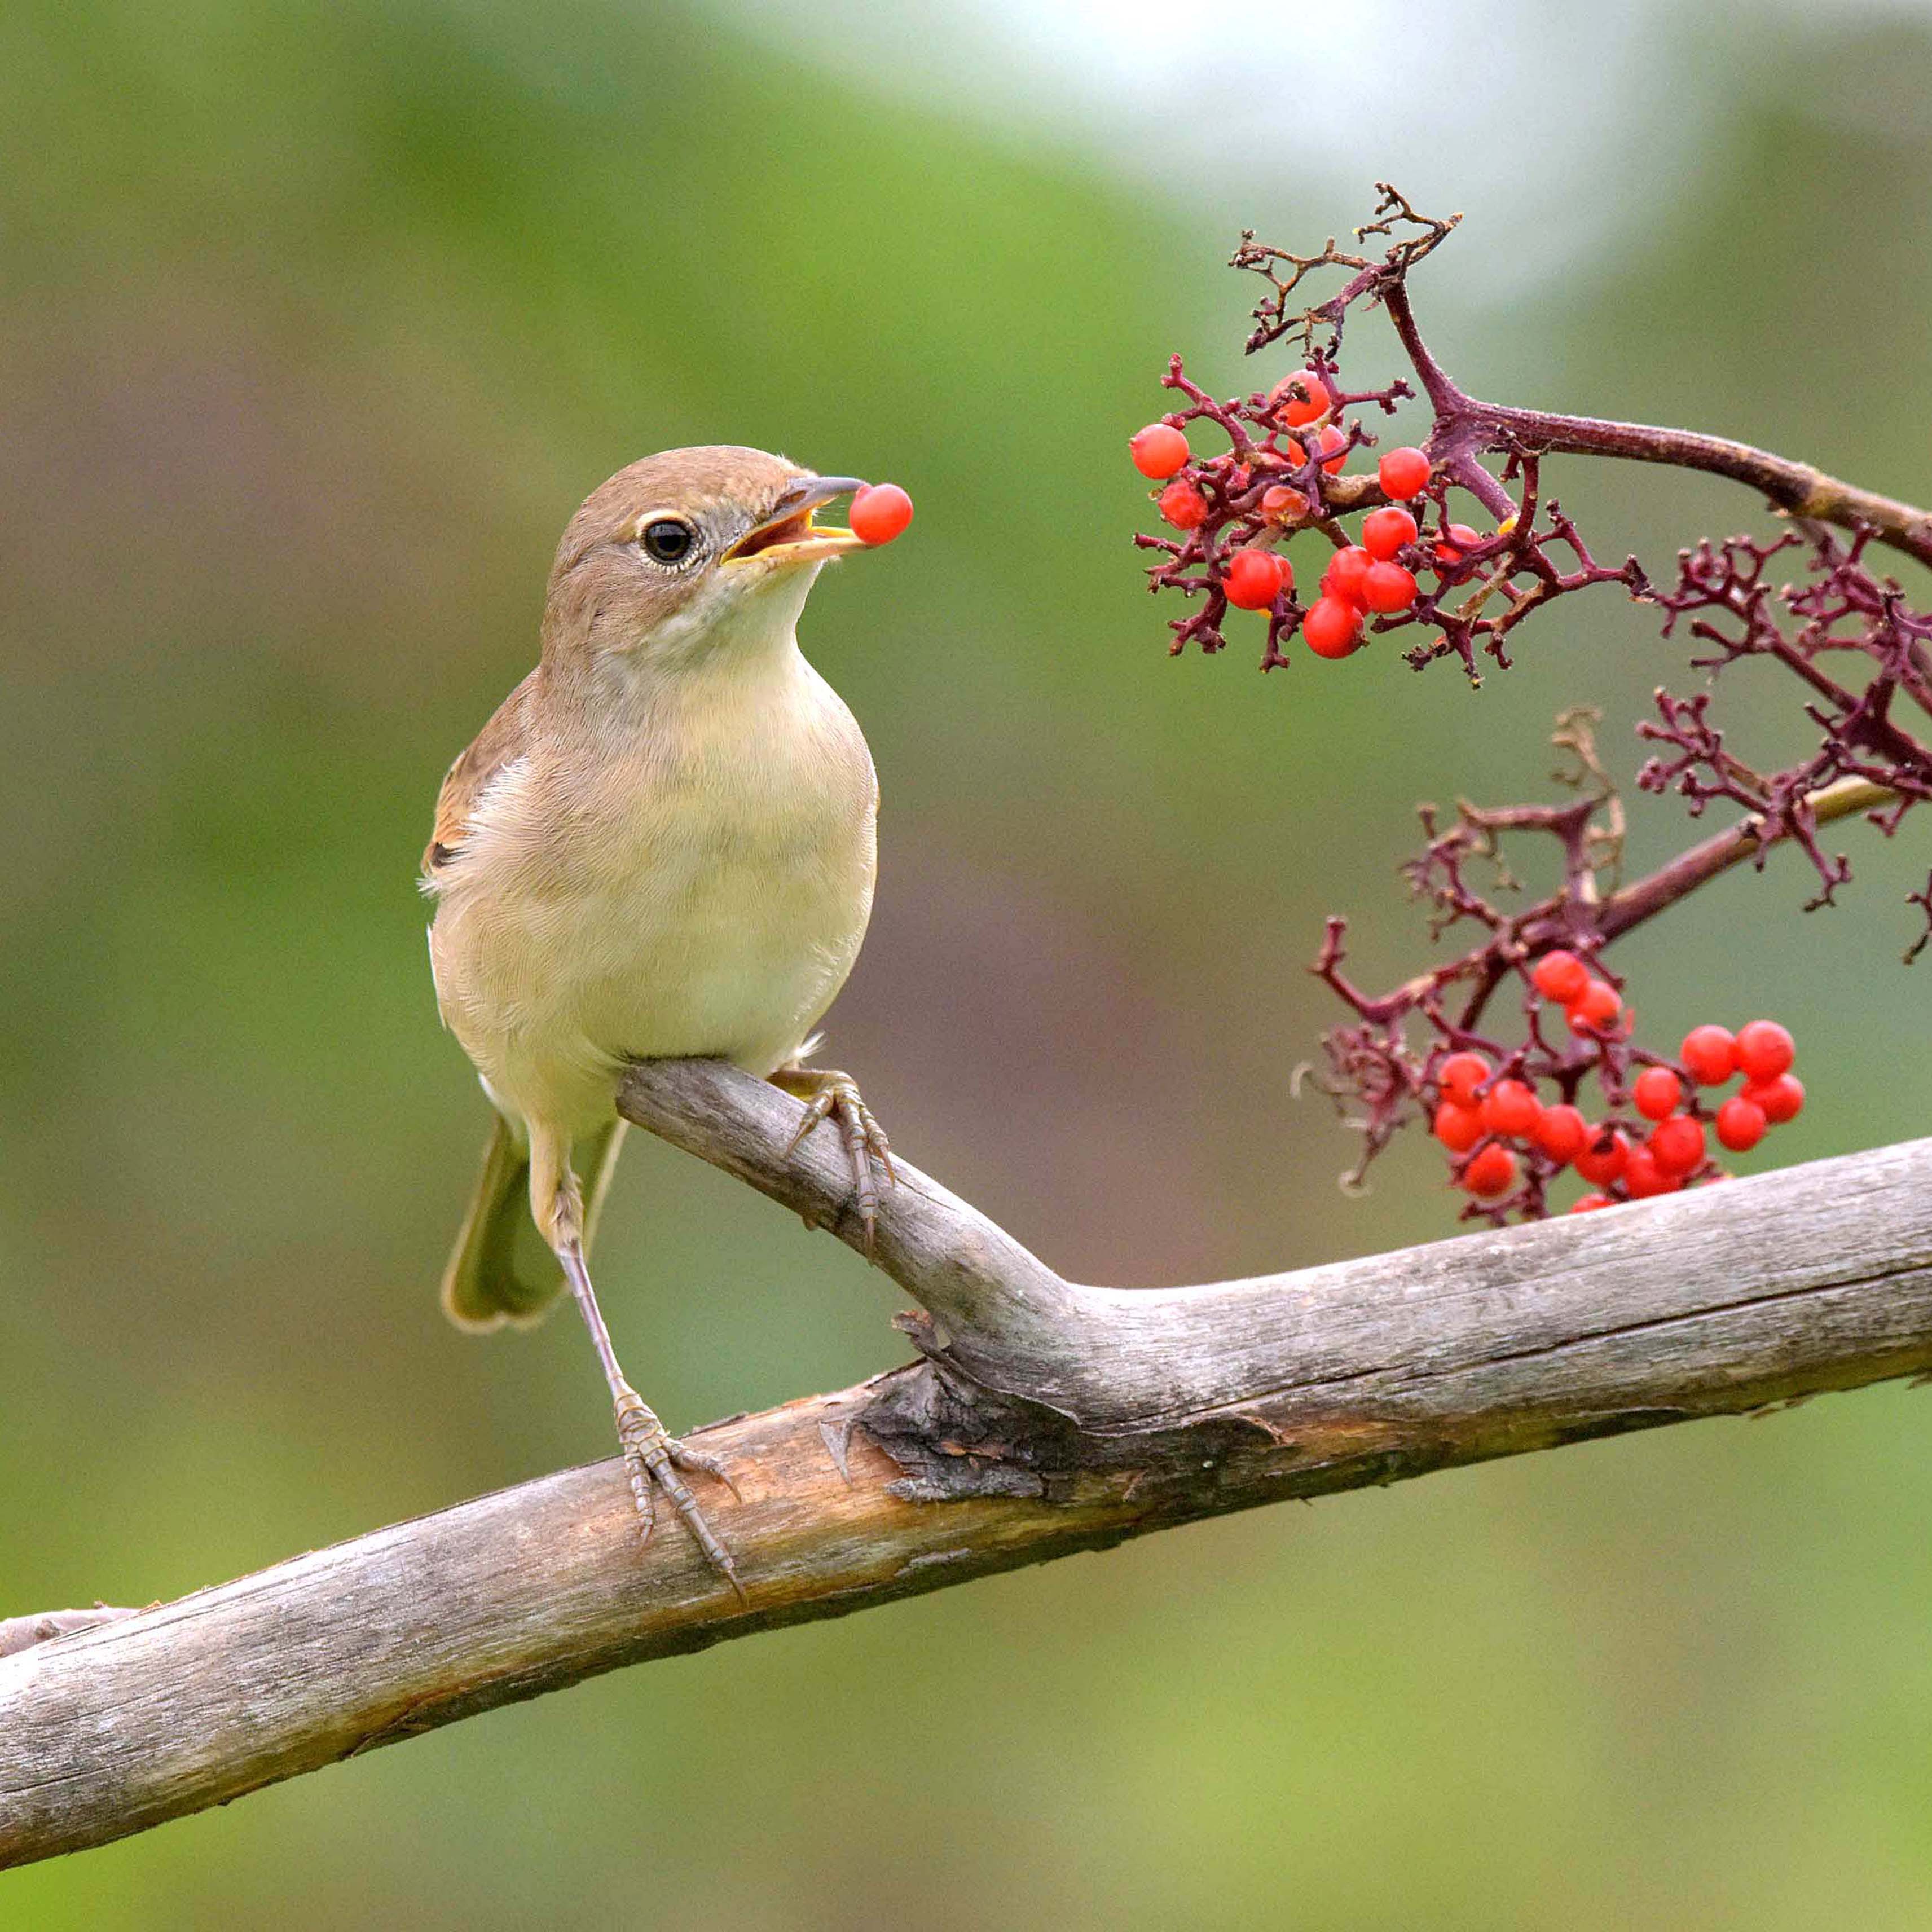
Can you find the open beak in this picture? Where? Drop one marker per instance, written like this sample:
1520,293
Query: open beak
788,536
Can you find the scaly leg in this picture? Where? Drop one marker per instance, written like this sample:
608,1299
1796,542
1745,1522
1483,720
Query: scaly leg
652,1455
829,1094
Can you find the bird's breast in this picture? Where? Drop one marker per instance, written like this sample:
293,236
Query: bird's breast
701,889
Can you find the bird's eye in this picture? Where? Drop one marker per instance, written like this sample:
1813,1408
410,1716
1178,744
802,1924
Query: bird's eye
667,541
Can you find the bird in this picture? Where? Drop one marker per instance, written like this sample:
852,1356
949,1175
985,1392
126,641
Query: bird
663,844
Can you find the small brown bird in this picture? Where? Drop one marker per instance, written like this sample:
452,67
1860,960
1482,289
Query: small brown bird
662,845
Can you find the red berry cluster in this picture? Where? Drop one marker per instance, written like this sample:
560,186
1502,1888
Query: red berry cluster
1284,469
1507,1095
1509,1106
1495,1122
1254,487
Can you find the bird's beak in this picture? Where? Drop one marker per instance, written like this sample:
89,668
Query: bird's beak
788,536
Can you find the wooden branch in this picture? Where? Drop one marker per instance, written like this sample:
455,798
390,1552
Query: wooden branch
1043,1418
23,1633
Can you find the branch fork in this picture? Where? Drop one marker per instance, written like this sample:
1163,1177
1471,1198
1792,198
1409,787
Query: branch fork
1043,1418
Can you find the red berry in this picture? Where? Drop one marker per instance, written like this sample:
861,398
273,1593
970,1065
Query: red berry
1677,1143
1710,1054
880,512
1764,1050
1385,531
1491,1172
1282,504
1510,1107
1643,1177
1561,976
1782,1099
1336,439
1181,504
1388,587
1587,1204
1561,1132
1159,451
1253,580
1461,538
1457,1127
1403,473
1460,1075
1346,569
1333,629
1604,1160
1314,400
1656,1092
1740,1123
1594,1008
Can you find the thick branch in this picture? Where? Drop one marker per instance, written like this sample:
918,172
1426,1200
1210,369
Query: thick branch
1049,1417
23,1632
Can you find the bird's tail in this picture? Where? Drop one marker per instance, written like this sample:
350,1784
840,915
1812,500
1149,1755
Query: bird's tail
488,1281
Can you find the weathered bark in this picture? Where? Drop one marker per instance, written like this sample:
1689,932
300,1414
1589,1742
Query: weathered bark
23,1632
1044,1417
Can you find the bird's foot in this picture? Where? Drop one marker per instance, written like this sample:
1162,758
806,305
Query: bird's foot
830,1095
654,1458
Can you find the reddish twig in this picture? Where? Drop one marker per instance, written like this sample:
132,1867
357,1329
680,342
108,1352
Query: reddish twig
1861,654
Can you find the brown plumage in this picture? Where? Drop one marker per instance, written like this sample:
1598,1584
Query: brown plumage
661,845
504,739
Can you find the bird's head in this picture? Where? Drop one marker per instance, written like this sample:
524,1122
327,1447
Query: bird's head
692,552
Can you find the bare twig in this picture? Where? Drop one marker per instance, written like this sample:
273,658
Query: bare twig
1467,423
1043,1418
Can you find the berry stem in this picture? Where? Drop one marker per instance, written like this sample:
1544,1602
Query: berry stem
1713,857
1465,423
1797,489
1486,968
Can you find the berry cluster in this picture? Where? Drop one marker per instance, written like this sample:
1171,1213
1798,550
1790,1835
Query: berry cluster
1497,1128
1243,479
1361,580
1507,1098
1285,470
1234,508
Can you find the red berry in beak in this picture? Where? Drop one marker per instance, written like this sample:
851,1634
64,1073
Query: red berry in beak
880,512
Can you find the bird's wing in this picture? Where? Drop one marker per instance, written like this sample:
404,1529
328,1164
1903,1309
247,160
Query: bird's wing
500,743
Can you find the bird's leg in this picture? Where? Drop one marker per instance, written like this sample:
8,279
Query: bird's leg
829,1094
652,1455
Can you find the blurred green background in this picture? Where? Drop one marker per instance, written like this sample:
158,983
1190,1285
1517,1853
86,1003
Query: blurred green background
319,320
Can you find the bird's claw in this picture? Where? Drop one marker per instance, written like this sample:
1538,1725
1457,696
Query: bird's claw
833,1096
654,1457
